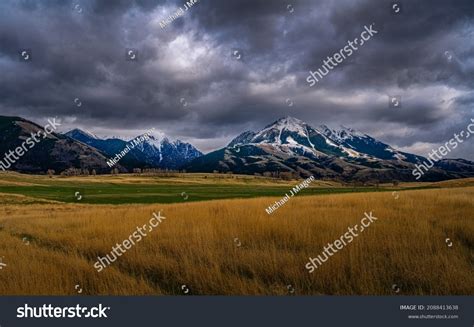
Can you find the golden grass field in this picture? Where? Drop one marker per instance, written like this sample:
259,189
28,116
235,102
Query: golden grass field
195,246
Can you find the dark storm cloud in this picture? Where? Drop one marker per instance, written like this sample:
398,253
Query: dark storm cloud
425,54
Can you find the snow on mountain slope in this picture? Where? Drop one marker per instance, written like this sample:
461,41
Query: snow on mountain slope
273,133
161,151
366,145
291,146
291,133
156,151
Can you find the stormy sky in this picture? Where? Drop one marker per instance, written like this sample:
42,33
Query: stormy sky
188,81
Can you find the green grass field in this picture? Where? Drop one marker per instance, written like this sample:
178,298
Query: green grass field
126,189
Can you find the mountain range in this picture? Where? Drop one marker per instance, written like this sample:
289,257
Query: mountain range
288,145
291,145
158,151
83,150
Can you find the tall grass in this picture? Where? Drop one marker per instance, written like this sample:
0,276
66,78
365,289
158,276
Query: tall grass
196,246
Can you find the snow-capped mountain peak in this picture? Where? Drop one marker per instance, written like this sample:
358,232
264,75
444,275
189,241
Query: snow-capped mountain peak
277,132
153,149
294,137
341,134
288,123
156,138
160,150
349,132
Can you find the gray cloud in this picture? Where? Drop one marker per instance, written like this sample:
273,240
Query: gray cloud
425,54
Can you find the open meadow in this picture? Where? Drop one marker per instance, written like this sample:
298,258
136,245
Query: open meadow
176,188
217,238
